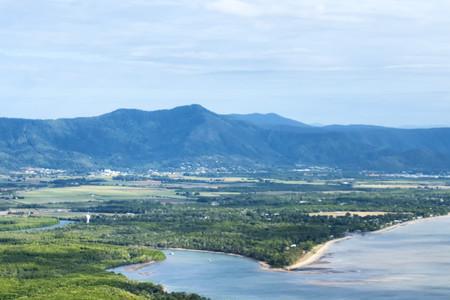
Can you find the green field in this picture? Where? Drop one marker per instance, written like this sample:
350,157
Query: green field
94,193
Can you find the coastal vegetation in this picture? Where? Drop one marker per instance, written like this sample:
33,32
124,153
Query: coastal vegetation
277,221
17,223
56,265
278,237
275,228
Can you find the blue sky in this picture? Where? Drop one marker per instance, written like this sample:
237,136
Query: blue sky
383,62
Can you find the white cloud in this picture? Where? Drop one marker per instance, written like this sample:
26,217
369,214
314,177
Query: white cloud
332,10
234,7
298,47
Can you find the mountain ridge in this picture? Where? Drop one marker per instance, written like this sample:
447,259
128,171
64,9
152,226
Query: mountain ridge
267,120
131,138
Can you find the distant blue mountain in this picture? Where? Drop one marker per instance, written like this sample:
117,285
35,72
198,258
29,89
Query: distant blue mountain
266,120
192,134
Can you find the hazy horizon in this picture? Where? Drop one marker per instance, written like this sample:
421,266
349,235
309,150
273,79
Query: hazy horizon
318,62
407,126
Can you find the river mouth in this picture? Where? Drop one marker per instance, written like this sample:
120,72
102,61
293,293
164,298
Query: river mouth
407,263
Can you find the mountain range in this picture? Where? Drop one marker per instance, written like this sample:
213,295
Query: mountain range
136,139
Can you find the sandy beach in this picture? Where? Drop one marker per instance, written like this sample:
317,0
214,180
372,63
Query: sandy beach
318,251
415,221
309,258
314,255
368,264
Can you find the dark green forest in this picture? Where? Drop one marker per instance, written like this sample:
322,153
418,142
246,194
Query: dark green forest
58,265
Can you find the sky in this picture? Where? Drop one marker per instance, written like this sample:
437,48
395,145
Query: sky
383,62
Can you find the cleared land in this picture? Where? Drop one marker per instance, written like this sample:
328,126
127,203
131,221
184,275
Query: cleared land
402,184
94,193
214,179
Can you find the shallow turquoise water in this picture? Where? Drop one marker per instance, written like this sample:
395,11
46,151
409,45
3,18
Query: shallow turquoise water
410,262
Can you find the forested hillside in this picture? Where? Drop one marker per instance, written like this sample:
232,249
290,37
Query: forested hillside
167,138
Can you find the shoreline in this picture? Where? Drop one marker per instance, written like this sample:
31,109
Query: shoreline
207,251
137,267
318,251
305,260
314,254
410,222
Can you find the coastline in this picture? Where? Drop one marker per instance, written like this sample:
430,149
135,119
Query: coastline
137,267
411,222
207,251
318,251
305,260
314,254
308,258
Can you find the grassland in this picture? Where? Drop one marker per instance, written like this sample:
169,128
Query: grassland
94,193
402,184
213,179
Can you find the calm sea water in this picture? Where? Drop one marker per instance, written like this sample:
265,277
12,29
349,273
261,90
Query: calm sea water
410,262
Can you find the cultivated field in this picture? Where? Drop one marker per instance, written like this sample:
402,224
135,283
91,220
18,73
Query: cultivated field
94,193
